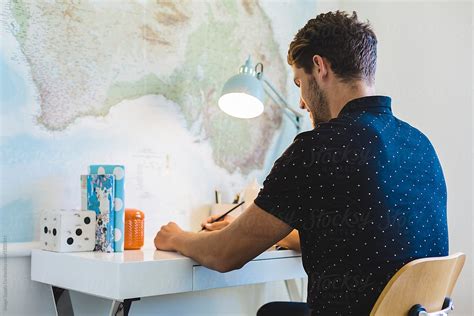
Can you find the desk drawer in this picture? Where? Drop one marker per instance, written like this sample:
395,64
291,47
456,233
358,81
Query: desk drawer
256,271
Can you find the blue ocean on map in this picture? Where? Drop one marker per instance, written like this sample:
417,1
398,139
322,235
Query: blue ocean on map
16,216
12,93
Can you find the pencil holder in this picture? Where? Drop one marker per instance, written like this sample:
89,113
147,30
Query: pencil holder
134,229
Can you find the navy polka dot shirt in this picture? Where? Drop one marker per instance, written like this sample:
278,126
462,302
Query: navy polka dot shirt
367,194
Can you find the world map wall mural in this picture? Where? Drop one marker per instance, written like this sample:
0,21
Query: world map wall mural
133,83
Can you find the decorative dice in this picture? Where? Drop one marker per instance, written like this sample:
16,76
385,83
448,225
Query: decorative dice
67,231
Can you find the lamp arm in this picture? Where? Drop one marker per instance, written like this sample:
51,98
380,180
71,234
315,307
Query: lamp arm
282,102
294,119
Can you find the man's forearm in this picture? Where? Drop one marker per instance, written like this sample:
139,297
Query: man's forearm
204,247
230,248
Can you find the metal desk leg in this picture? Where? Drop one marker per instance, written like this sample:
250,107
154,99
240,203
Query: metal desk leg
62,301
119,308
293,292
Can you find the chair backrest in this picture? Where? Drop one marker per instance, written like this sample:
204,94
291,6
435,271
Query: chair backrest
425,281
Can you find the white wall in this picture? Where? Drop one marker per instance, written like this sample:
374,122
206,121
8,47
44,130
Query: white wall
21,296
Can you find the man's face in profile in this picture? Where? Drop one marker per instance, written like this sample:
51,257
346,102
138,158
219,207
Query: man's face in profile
312,98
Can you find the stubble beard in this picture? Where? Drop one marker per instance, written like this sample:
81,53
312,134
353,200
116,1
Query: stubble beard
318,104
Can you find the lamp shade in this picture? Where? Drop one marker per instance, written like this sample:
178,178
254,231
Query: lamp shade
242,95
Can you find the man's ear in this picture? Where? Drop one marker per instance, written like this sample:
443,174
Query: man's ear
320,68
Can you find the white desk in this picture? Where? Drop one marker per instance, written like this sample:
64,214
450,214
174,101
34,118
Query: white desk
124,277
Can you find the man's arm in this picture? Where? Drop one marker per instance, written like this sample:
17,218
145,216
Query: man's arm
291,241
253,232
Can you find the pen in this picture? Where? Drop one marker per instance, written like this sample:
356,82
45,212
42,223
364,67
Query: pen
224,215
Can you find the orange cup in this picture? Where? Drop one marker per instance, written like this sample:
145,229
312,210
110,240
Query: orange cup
134,229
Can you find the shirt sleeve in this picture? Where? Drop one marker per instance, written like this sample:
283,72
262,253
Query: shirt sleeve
285,184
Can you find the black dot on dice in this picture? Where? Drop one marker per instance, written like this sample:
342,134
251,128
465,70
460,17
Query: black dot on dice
54,231
78,232
45,229
87,220
70,241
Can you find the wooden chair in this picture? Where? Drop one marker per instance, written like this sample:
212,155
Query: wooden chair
421,287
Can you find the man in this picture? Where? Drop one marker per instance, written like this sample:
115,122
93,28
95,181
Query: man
364,190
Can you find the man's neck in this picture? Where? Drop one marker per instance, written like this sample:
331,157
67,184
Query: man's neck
345,92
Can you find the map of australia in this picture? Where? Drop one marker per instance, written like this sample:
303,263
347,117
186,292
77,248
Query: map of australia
85,57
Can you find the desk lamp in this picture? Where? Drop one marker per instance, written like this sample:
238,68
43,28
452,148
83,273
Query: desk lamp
242,95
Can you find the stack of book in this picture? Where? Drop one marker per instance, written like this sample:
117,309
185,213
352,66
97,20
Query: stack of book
102,191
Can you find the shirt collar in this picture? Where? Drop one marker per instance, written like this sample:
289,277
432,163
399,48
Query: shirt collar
373,104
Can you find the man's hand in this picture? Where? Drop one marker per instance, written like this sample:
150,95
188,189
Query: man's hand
291,241
209,225
164,238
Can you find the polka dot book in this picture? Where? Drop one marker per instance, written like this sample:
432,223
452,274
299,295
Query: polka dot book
119,201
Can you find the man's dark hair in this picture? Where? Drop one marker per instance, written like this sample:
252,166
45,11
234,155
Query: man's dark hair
350,46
